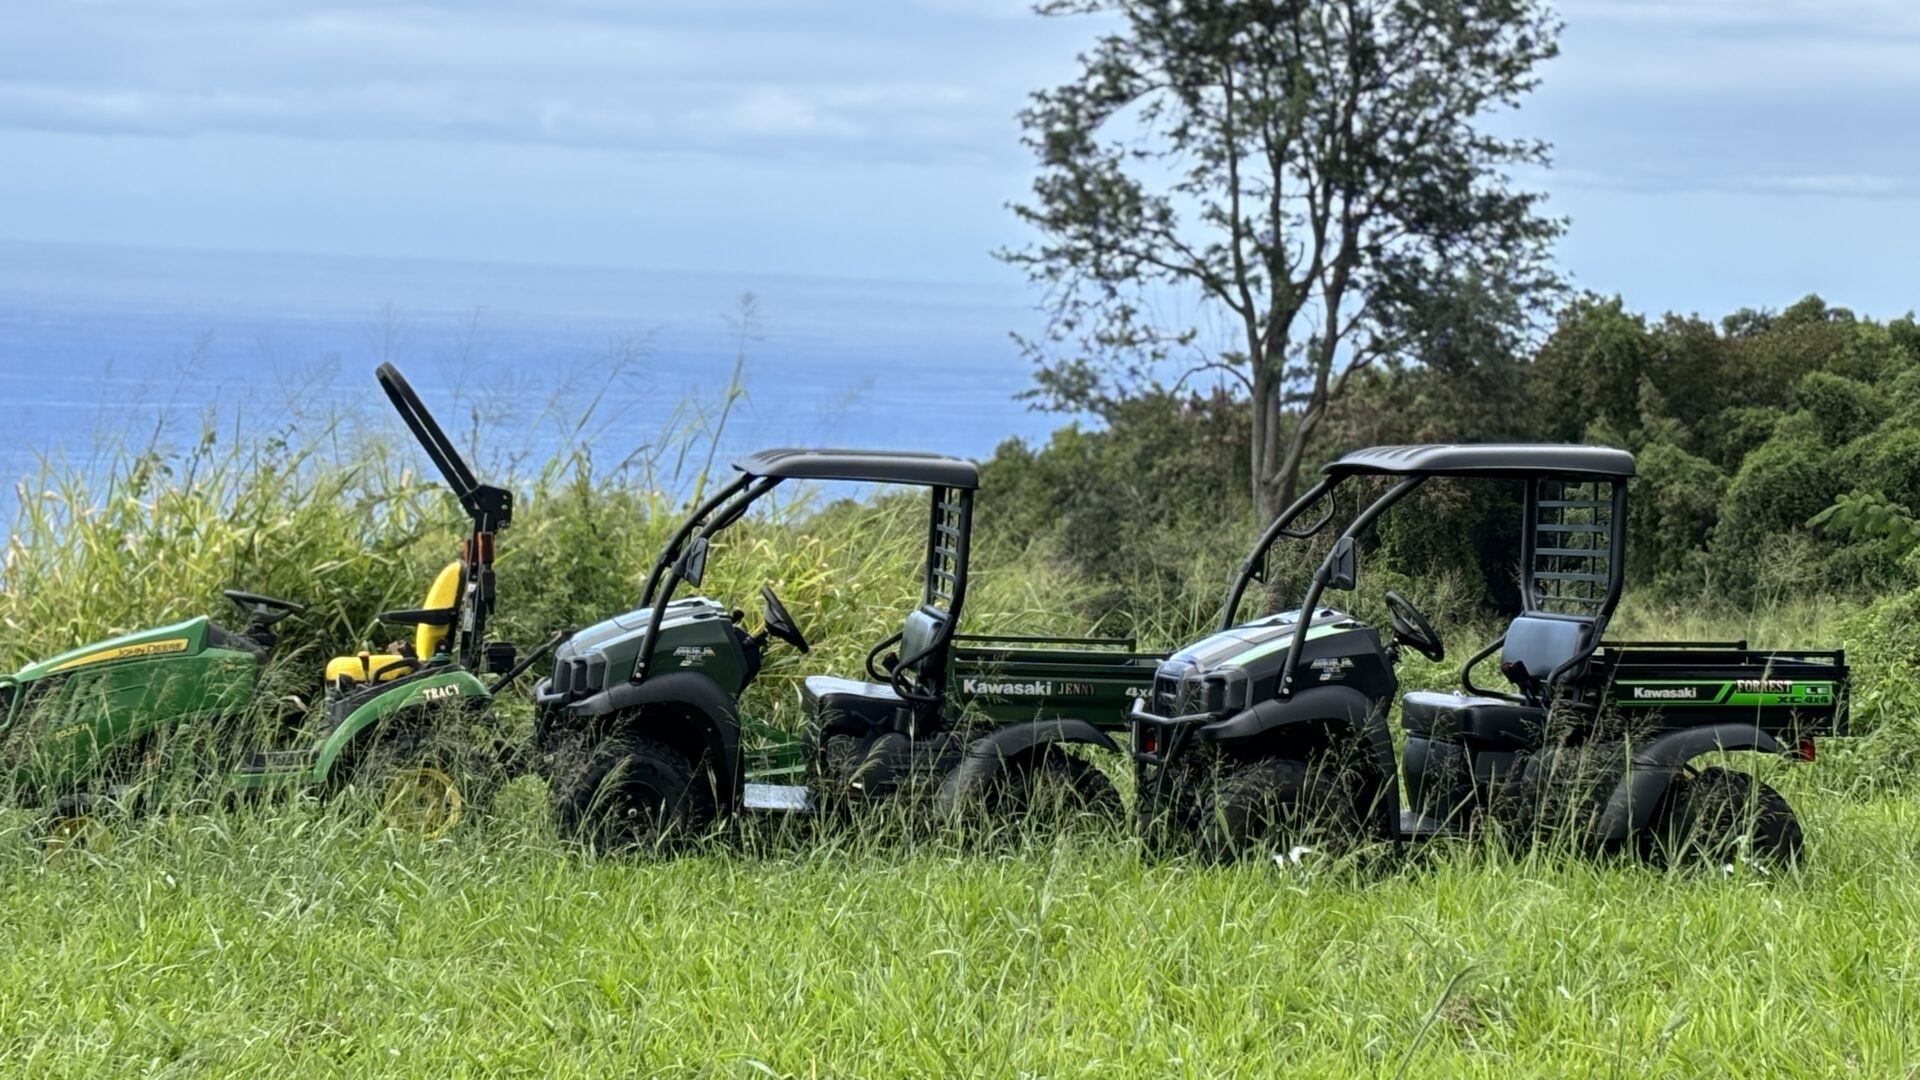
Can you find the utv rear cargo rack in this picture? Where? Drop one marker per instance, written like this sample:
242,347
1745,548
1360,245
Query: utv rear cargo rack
1796,692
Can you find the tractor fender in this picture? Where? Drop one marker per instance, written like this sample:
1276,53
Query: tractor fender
1654,764
459,683
1337,709
988,755
635,707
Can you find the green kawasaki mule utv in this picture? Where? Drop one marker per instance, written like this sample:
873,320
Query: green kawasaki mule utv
105,719
640,728
1274,732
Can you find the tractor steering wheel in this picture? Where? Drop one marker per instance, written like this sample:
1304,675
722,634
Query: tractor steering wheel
264,610
1411,628
779,623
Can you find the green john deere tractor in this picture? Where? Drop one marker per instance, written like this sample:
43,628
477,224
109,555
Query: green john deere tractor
101,725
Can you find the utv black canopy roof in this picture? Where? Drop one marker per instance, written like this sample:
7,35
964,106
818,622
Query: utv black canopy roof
865,466
1487,459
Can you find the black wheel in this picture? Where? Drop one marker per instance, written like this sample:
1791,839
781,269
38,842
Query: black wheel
831,771
1054,788
1719,816
631,792
1279,806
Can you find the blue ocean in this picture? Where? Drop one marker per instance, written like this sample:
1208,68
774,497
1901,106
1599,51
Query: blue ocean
103,345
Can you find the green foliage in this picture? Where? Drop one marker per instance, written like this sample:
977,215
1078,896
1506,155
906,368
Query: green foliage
1744,431
1589,371
1865,516
1148,511
1778,488
1841,408
1675,504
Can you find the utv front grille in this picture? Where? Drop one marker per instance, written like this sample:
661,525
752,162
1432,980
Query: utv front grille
1166,694
579,676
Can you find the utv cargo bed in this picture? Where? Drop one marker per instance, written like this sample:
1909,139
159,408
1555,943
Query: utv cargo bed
1797,692
1015,679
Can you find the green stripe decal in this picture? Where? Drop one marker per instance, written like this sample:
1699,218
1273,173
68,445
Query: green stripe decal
1314,633
1755,693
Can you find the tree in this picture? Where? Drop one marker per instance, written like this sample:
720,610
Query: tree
1312,174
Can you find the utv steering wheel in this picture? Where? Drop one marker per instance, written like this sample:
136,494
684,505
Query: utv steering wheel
265,610
1412,629
779,623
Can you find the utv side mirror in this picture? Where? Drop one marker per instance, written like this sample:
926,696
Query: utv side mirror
1343,565
693,562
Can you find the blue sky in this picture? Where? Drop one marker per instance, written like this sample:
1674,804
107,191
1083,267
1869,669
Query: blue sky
1711,153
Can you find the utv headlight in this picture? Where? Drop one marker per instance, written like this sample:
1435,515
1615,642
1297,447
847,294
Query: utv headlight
1223,692
1214,692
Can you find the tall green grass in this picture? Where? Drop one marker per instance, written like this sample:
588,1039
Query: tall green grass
291,938
295,942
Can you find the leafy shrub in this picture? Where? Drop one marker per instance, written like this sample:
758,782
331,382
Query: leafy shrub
1883,652
1778,489
1672,515
1839,407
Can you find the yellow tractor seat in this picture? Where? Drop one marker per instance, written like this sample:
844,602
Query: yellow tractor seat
359,669
432,624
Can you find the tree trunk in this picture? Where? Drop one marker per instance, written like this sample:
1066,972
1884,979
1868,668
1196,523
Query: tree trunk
1264,453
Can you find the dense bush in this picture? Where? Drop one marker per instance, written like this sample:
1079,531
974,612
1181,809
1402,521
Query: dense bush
1744,431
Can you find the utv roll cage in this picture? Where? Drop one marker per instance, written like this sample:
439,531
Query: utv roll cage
490,510
1571,556
951,482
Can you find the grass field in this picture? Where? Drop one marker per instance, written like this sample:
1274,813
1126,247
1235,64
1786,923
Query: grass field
300,941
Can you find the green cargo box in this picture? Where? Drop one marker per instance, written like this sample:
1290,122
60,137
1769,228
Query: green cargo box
1799,693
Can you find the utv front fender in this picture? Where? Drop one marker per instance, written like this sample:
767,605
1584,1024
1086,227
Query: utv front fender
1337,710
987,757
1652,767
1325,715
684,709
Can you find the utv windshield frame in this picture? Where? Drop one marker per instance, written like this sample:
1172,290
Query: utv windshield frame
951,481
1558,573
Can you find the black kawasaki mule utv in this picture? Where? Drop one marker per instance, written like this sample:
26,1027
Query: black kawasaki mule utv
640,730
1274,732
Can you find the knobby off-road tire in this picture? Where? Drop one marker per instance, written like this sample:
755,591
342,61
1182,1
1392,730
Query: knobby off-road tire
831,768
1277,806
1053,788
1718,816
631,794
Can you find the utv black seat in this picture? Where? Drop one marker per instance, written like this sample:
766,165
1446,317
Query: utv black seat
1477,719
1538,646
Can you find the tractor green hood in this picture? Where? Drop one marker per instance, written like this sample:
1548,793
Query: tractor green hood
180,639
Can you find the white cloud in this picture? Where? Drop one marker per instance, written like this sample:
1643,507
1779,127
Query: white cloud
928,81
1817,185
